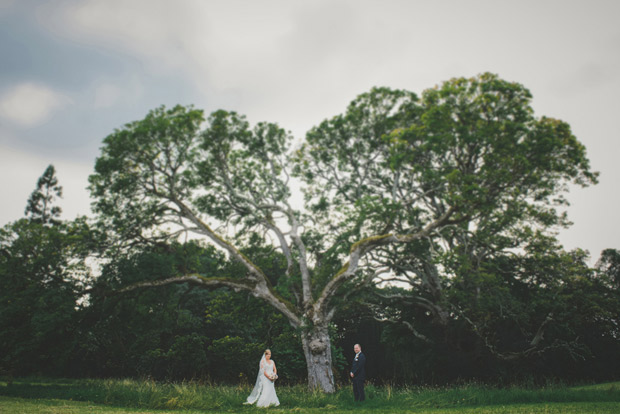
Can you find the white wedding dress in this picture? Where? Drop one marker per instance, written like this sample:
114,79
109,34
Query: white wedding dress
264,392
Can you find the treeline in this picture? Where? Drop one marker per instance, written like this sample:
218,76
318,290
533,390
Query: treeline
553,319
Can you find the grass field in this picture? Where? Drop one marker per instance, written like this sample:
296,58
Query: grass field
129,396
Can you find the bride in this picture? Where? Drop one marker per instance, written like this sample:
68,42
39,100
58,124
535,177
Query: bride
264,392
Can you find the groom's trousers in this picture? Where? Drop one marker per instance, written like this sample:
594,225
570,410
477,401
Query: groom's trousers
358,389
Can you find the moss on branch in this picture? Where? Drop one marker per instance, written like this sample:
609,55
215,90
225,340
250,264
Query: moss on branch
369,240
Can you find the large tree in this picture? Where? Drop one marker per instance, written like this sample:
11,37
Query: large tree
392,171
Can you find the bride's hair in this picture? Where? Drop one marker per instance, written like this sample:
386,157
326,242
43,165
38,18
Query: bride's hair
267,350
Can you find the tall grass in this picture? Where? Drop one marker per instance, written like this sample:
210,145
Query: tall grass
197,396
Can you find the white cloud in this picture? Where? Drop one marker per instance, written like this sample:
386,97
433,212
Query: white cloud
159,31
30,104
114,92
106,95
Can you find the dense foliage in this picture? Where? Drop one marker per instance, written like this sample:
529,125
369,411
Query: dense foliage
42,273
180,331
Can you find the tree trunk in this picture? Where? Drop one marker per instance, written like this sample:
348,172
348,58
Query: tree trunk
318,352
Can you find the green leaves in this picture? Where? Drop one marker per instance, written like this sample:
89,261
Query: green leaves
242,169
142,167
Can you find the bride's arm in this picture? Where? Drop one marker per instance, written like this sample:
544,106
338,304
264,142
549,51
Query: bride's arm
275,371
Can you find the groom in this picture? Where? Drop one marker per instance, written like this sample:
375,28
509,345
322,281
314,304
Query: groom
358,373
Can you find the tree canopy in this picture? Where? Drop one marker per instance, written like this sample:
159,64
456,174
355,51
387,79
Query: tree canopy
401,185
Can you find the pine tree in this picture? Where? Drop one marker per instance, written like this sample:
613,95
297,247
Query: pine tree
39,208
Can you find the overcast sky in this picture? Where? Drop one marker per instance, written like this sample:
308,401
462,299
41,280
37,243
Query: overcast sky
73,71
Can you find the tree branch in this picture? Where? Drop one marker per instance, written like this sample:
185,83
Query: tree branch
359,249
262,288
193,279
508,356
303,262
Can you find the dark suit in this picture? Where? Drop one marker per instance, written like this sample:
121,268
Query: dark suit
358,369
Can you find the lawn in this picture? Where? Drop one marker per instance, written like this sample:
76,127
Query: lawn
129,396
